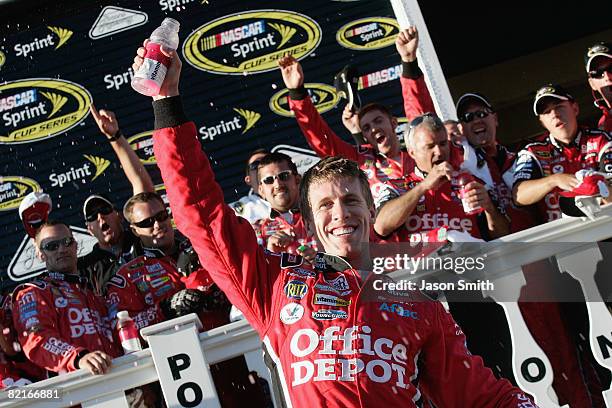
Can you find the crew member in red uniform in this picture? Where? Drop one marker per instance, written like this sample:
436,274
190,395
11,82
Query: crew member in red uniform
331,347
283,230
431,202
598,62
62,325
15,369
381,158
478,122
548,166
167,281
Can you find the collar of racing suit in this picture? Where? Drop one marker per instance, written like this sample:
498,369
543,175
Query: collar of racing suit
67,277
322,262
560,145
275,213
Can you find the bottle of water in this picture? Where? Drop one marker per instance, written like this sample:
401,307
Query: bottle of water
149,78
128,334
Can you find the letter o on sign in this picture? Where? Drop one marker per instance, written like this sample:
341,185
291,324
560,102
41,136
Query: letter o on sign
540,366
197,392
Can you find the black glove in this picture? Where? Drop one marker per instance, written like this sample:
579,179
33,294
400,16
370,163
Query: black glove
183,302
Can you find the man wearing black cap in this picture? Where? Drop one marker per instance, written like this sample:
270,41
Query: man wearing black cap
548,166
598,62
252,206
104,222
478,124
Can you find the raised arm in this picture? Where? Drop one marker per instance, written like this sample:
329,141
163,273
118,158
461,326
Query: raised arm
417,99
225,243
318,134
131,164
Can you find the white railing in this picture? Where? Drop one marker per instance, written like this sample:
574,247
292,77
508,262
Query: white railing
579,235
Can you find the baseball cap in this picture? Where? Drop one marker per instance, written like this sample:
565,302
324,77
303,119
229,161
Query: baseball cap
549,91
601,49
34,210
464,101
94,201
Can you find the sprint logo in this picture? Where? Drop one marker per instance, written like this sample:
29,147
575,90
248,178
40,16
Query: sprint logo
57,101
285,32
2,59
62,35
94,168
245,120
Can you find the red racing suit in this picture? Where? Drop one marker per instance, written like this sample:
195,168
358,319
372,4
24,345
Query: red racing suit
59,319
331,347
591,149
15,369
380,169
266,227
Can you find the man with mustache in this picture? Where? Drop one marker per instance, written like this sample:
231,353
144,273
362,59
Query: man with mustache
329,346
283,230
598,61
103,221
381,158
548,166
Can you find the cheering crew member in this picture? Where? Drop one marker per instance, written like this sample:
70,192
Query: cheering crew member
283,229
331,347
598,61
478,122
252,206
430,201
104,222
167,281
62,325
548,166
381,158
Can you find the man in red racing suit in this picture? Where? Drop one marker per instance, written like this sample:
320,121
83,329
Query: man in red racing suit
331,347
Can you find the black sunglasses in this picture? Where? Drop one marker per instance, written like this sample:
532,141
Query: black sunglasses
104,210
467,117
150,222
419,119
55,244
282,176
599,73
254,165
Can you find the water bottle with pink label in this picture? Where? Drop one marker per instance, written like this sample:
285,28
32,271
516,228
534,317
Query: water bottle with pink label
128,333
150,77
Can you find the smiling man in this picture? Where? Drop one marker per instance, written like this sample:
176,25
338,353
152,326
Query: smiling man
283,229
329,346
548,166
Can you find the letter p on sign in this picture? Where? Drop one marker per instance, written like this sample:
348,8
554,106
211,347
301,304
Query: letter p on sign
184,376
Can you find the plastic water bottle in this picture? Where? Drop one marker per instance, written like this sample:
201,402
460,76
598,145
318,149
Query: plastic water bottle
463,179
128,334
150,77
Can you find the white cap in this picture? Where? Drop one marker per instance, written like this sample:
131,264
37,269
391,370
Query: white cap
33,198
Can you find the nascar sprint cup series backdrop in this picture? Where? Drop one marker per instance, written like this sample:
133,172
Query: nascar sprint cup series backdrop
57,61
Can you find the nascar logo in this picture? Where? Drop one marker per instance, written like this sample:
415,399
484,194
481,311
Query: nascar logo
323,97
13,189
251,41
368,33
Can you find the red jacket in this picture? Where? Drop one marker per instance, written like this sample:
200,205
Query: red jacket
380,169
592,149
605,122
331,346
58,318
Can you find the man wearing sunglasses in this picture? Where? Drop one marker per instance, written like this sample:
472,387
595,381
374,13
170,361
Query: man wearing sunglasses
252,206
167,281
598,62
329,347
548,166
382,158
283,229
62,324
478,122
